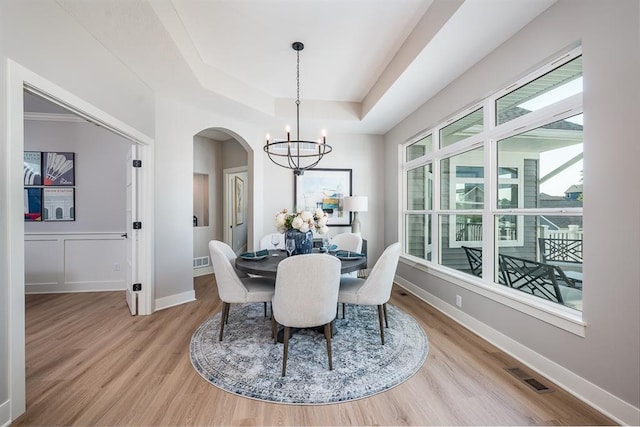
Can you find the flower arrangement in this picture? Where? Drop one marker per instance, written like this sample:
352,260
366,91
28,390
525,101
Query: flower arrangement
302,221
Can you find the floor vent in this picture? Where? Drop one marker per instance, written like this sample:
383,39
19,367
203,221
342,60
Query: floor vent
535,385
201,262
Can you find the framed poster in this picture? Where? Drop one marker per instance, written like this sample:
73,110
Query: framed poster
59,204
325,189
33,204
59,169
239,200
32,168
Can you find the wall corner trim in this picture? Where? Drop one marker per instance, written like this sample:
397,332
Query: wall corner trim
612,406
173,300
5,413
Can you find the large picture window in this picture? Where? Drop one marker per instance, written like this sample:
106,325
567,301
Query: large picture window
500,189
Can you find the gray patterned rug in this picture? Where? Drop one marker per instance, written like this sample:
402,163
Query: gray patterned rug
247,362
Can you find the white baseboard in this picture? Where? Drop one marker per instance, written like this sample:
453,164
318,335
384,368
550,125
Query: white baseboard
54,288
173,300
596,397
197,272
5,413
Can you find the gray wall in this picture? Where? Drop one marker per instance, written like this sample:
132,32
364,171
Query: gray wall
608,356
207,159
100,174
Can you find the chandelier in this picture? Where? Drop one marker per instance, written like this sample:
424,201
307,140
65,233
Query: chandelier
297,154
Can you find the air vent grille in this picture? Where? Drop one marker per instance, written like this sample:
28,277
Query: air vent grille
533,383
201,262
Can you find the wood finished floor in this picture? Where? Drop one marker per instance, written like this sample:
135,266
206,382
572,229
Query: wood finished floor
90,363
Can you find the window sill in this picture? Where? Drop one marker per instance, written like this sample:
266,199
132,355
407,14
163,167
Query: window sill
557,315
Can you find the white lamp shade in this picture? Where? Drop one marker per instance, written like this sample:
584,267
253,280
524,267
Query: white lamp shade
356,203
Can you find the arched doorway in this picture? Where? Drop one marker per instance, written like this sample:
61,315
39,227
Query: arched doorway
221,188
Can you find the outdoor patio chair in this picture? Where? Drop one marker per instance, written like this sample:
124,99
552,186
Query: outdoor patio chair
540,279
474,256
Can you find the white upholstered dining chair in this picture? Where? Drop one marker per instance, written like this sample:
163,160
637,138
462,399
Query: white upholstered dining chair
348,242
306,296
233,289
375,289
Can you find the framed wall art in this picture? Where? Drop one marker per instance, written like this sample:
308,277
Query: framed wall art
326,189
32,168
33,204
49,186
59,169
58,204
239,200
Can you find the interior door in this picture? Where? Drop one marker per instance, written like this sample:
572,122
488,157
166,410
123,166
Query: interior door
132,234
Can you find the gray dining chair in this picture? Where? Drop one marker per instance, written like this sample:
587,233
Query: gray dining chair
375,289
306,295
232,288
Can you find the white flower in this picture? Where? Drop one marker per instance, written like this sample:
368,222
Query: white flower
323,229
306,216
304,227
322,222
297,222
280,219
319,213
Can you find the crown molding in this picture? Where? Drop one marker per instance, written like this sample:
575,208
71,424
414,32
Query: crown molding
53,117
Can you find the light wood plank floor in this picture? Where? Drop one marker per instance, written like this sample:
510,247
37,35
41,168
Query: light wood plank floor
90,363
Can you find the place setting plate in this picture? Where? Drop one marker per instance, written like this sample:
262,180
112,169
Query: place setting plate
254,256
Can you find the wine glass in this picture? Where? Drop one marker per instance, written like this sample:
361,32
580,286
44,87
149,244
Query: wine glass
326,243
275,241
290,244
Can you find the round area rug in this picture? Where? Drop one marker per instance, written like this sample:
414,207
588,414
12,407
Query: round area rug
247,362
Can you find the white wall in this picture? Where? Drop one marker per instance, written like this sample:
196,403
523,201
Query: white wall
362,154
608,357
177,123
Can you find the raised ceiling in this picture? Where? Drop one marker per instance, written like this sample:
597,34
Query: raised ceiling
365,66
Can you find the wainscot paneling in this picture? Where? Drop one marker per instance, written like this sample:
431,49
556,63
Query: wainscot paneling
78,262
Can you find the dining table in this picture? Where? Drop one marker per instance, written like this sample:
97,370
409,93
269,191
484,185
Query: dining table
268,265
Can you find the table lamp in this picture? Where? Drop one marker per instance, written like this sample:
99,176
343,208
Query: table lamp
356,204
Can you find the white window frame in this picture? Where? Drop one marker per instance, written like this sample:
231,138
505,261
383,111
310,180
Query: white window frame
559,315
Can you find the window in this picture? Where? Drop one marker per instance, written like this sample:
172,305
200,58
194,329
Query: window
419,148
469,125
503,197
419,202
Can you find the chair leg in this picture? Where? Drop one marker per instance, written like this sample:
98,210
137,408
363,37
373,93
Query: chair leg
265,309
386,320
274,334
223,318
327,336
286,350
226,316
380,316
343,306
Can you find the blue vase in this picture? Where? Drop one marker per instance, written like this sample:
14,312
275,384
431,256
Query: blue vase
304,241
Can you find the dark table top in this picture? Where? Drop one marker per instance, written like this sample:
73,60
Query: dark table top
269,265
